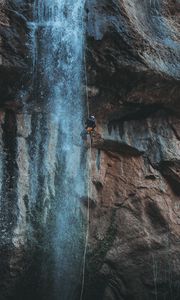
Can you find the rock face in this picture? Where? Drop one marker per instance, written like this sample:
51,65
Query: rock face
133,73
133,85
15,69
14,74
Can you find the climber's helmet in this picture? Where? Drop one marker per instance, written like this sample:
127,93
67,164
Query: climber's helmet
92,118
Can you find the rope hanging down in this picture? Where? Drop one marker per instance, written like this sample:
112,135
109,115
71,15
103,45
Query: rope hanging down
88,188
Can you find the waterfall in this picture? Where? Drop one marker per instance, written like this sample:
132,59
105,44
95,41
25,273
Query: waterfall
56,149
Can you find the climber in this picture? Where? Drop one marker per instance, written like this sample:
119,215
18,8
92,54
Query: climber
90,125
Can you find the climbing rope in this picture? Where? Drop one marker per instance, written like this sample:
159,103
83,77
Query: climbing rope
88,187
87,230
86,82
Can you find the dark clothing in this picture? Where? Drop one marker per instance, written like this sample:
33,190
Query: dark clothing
90,123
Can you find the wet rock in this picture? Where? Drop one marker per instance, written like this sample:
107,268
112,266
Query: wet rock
133,53
133,83
133,87
15,68
88,202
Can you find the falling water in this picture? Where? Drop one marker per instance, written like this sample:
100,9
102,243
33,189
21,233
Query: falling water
57,39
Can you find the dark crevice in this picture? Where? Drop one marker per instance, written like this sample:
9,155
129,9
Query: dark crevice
119,147
136,112
171,171
9,210
9,186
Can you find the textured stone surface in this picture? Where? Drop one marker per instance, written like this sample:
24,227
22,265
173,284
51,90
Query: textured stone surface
133,72
133,53
133,85
14,53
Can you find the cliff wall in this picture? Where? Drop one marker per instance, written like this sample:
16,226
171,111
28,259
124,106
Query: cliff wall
133,84
133,73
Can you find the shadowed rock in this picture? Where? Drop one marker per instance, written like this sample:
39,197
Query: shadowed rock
133,73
